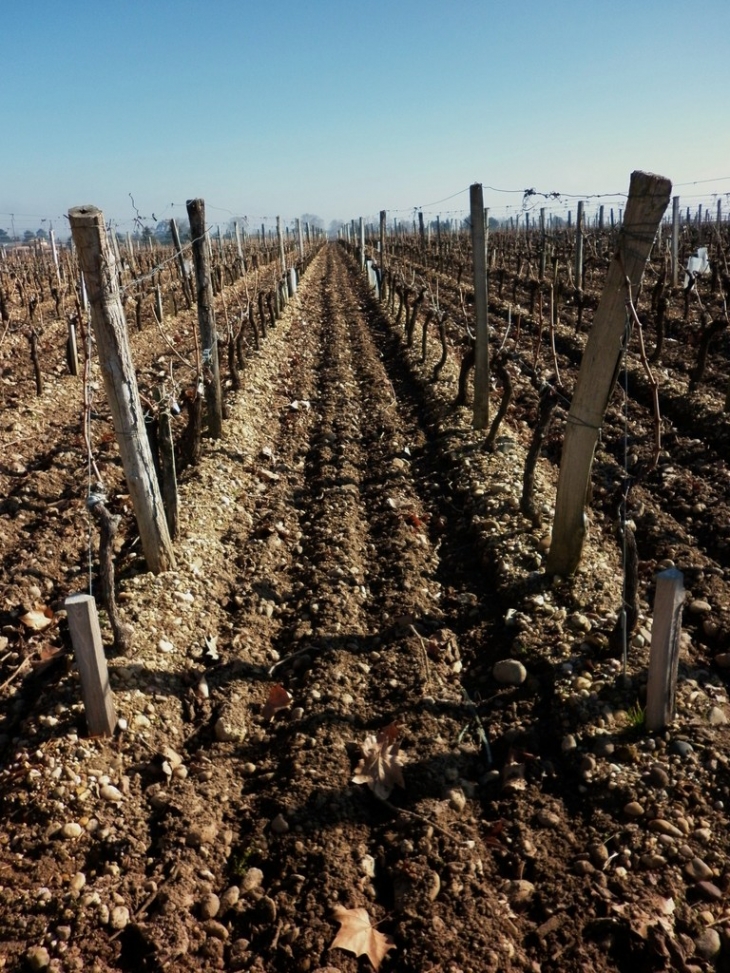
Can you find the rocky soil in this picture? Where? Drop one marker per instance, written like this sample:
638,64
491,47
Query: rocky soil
359,690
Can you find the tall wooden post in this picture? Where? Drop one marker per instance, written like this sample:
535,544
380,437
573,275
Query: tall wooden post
481,354
98,263
675,241
206,317
362,243
579,247
239,247
280,239
648,198
383,218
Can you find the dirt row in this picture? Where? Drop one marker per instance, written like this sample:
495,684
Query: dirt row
312,720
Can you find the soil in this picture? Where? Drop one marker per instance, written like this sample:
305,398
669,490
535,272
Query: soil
312,715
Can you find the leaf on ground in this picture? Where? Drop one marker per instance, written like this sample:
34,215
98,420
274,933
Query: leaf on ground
380,767
358,936
37,619
278,699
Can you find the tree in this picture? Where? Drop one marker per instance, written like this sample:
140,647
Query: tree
28,236
41,234
4,236
316,222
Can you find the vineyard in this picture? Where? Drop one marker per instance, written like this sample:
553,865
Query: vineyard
358,720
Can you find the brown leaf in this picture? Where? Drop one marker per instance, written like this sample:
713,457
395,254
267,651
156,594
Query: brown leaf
357,936
278,699
380,767
37,619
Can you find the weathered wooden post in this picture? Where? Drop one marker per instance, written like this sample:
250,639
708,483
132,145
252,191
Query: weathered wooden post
675,241
579,247
98,263
648,198
83,622
280,239
361,237
481,352
239,246
664,653
206,317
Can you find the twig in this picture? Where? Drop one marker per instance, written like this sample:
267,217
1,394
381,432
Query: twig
420,817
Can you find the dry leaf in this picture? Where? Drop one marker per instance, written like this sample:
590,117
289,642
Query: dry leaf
278,699
380,767
357,936
37,619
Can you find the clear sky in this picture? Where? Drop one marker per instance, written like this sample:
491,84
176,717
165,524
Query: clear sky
343,108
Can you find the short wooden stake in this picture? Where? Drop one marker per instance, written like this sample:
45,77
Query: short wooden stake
83,621
664,654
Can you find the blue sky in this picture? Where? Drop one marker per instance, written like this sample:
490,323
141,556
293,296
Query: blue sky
342,109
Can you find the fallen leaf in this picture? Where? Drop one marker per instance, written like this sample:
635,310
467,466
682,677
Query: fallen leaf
37,619
380,767
278,699
358,936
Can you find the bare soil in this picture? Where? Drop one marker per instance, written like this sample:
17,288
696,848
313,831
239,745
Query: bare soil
350,540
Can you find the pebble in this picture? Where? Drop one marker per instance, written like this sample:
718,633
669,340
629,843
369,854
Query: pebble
201,834
588,764
723,660
717,716
548,819
580,623
226,732
682,748
280,825
509,672
599,854
119,917
652,861
71,830
38,958
709,891
582,867
658,776
216,930
633,809
662,826
457,799
699,607
229,898
698,870
603,746
569,743
111,793
708,944
210,906
520,892
253,879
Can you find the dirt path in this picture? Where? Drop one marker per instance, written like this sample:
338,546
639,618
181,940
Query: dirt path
346,542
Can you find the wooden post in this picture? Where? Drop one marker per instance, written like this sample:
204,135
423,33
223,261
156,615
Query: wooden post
362,243
648,198
280,238
98,263
664,653
239,246
300,238
206,318
579,247
83,622
481,352
675,241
